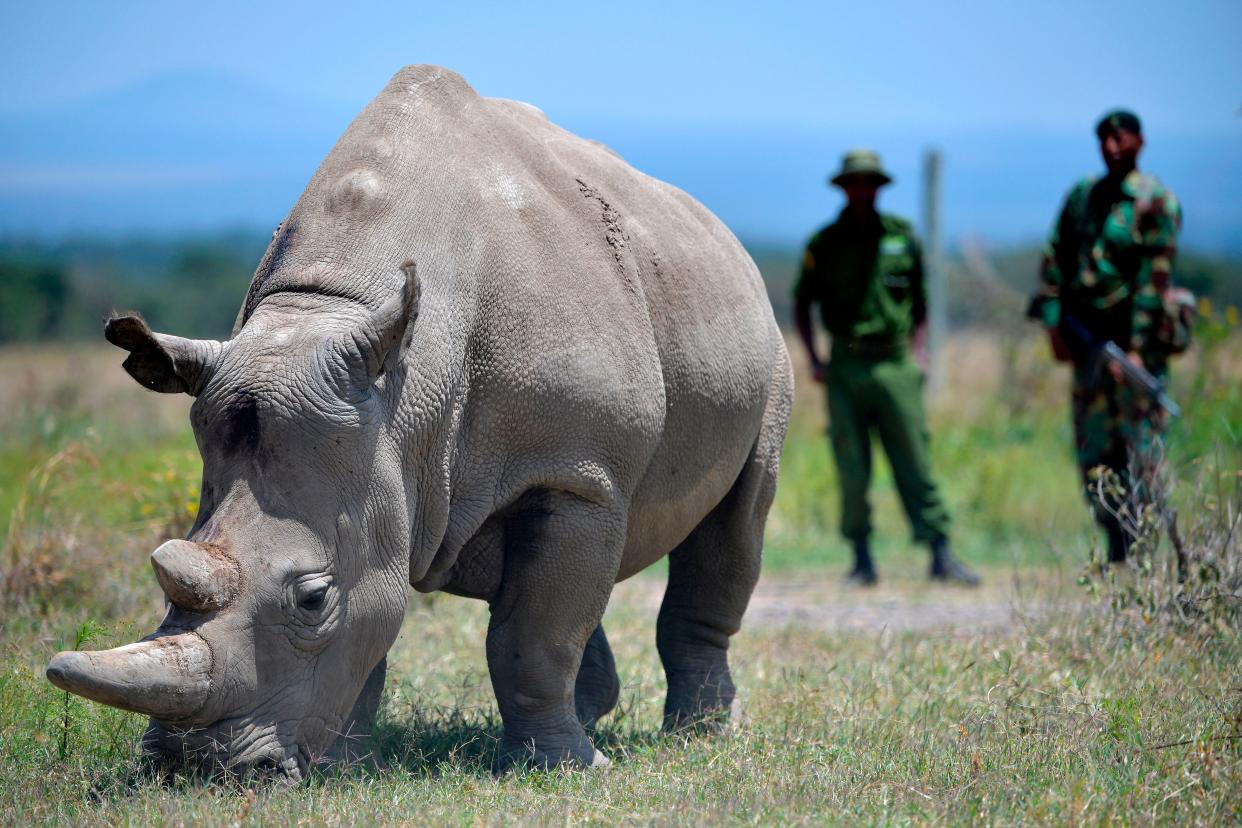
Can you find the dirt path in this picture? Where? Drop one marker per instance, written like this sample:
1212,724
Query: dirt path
824,603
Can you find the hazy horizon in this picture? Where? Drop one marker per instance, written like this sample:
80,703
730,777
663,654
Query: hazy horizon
144,119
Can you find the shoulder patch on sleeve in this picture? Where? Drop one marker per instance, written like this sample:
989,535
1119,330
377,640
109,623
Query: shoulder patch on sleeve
1081,187
895,224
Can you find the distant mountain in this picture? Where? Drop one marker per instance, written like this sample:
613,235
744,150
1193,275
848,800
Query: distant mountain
197,151
186,116
188,151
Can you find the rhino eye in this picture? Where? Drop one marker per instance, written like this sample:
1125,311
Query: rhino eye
312,596
313,602
313,606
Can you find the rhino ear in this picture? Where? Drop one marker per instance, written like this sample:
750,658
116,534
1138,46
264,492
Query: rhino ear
393,323
164,363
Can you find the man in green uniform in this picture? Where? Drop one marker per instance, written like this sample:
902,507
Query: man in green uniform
865,272
1106,277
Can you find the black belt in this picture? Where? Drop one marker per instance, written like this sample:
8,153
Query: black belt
874,347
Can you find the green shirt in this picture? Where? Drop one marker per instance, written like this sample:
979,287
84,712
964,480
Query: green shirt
1109,259
867,277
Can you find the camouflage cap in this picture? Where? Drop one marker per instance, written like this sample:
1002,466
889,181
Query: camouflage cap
1118,119
865,162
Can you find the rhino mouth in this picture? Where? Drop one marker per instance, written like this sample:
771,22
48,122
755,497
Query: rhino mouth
227,751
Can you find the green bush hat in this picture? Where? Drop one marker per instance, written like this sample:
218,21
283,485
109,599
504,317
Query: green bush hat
861,161
1118,119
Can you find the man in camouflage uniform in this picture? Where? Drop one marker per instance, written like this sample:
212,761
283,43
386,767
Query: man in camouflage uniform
865,272
1106,274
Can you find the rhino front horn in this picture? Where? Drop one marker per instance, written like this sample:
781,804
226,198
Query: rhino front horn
167,677
194,576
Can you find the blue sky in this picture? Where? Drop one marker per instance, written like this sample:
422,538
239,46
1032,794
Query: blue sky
772,93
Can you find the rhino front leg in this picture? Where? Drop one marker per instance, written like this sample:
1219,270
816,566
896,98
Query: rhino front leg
597,689
561,559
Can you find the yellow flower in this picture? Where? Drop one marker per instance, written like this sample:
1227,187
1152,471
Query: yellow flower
1231,316
1205,307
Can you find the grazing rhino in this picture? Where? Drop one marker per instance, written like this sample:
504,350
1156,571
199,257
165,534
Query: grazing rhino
581,376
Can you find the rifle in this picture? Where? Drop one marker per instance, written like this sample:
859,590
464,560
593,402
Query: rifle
1100,354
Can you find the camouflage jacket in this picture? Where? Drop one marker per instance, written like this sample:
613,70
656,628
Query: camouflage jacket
1109,259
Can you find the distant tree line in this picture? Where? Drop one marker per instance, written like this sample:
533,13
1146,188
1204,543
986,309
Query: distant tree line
33,299
989,289
64,292
194,286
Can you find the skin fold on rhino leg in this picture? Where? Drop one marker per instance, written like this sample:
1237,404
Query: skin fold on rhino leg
355,745
561,558
597,688
711,576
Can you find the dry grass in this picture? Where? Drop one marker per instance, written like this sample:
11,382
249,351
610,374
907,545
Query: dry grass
1036,700
1077,715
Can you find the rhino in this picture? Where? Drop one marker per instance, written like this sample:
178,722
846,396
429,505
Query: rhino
484,356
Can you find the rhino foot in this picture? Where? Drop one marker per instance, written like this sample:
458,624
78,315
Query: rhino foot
540,755
699,703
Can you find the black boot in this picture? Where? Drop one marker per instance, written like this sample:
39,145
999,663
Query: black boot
863,573
1118,544
945,567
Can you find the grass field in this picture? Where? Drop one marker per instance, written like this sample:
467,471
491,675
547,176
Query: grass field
1035,699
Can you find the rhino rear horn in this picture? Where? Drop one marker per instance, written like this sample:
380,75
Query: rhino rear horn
194,576
164,363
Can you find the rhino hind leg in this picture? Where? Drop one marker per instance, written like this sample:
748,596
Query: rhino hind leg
561,558
597,687
711,576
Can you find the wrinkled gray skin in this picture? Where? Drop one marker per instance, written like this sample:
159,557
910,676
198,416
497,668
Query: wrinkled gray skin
581,375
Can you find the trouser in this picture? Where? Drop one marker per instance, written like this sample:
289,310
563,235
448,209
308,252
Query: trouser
885,395
1119,443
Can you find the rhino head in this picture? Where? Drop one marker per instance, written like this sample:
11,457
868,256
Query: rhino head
291,585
